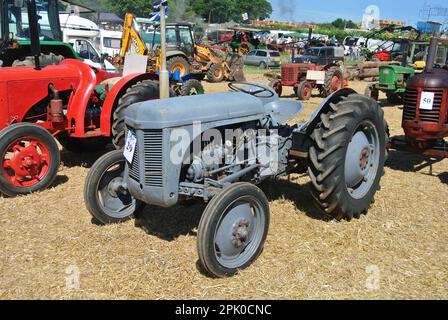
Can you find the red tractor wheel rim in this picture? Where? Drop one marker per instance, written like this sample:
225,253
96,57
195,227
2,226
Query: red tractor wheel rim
306,92
336,82
25,162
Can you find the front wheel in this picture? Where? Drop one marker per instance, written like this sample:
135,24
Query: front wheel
233,229
105,192
29,159
346,159
191,87
304,90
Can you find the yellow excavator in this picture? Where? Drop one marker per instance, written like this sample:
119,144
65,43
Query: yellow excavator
184,56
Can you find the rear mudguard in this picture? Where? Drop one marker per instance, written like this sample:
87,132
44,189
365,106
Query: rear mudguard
114,95
301,137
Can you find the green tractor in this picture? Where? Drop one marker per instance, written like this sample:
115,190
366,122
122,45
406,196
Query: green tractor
393,78
15,46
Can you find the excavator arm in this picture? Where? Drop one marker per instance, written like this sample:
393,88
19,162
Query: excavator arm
131,40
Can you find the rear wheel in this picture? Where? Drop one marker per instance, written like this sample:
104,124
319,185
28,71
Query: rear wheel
304,90
105,193
334,80
346,160
178,64
215,73
29,159
191,87
139,92
233,229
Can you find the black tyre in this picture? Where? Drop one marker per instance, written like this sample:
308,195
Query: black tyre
304,90
372,92
346,160
334,80
29,159
191,87
233,229
263,65
78,145
215,73
104,194
178,63
141,91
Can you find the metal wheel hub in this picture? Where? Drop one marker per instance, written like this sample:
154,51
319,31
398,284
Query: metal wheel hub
25,162
115,187
241,233
362,160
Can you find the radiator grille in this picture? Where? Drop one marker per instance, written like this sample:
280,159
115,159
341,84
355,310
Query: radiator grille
290,72
410,106
153,142
134,167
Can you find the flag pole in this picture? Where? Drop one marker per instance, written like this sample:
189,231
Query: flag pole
164,75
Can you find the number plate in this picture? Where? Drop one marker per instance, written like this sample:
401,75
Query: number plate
427,100
129,147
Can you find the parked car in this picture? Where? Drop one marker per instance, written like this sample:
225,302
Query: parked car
263,58
321,56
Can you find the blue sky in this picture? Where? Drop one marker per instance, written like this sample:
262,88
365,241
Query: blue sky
329,10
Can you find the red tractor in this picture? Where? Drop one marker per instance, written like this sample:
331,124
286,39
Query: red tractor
317,68
81,106
425,111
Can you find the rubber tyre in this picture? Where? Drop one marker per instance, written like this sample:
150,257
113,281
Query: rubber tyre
14,132
327,155
263,65
91,189
209,222
191,87
329,74
304,90
139,92
171,64
215,73
77,145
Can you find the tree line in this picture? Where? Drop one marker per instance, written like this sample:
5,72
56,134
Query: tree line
210,11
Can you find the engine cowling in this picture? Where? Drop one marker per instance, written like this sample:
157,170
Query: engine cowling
425,113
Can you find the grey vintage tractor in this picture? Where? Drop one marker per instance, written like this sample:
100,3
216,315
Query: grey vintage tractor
217,148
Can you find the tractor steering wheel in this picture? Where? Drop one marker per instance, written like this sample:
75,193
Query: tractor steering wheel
242,87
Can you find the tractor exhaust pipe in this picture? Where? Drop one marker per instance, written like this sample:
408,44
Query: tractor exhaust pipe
432,52
34,33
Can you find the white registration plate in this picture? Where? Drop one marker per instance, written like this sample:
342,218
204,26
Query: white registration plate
129,146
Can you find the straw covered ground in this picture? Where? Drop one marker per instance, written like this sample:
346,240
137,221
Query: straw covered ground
398,250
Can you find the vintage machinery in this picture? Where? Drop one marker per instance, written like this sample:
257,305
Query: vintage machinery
393,78
178,150
387,49
425,111
324,74
184,56
81,106
184,79
15,44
